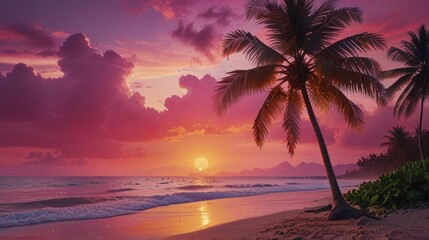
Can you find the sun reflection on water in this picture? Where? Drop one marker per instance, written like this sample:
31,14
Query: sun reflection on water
205,218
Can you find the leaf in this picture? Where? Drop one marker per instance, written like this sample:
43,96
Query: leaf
273,105
240,83
254,49
292,117
374,199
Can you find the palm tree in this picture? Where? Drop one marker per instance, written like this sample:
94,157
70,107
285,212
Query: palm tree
399,144
397,139
302,66
413,77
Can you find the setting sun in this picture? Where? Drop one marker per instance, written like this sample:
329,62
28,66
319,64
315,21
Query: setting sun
201,163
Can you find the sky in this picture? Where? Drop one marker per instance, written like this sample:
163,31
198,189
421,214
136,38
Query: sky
123,87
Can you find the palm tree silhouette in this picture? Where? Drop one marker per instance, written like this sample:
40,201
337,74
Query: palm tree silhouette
414,76
397,139
302,66
399,142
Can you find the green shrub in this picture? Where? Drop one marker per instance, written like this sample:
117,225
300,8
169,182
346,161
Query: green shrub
404,187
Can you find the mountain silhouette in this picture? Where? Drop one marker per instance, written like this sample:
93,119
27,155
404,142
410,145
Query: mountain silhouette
303,169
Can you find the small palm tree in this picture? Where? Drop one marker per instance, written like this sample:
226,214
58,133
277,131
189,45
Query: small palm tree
399,144
413,77
397,139
302,66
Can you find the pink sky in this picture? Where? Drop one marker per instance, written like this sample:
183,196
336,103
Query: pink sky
123,87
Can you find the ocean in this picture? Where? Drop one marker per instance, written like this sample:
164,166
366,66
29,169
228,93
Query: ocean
34,200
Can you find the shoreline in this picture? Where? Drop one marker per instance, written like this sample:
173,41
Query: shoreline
161,222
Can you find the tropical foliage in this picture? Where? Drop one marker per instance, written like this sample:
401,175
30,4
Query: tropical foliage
413,78
304,64
400,147
405,187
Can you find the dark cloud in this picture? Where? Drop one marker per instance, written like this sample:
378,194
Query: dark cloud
203,40
26,40
55,158
76,47
35,36
221,16
21,94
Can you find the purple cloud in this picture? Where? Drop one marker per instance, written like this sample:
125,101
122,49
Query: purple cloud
203,40
221,16
35,36
55,158
26,40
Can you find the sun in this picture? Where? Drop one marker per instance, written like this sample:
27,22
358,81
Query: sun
201,163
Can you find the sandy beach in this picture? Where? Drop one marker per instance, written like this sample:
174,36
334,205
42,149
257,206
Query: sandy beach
300,225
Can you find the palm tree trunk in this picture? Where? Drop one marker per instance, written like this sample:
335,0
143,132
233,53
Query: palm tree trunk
420,126
338,198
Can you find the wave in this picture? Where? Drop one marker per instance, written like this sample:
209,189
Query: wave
65,209
258,185
194,187
64,185
120,190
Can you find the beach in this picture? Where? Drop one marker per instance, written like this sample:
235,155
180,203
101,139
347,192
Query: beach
161,222
267,216
300,225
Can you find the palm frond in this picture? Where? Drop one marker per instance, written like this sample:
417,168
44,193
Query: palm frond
409,102
317,94
399,84
299,19
355,74
240,83
423,44
254,49
402,96
361,83
363,65
328,23
281,33
397,72
292,118
320,14
351,112
273,105
257,9
399,55
351,46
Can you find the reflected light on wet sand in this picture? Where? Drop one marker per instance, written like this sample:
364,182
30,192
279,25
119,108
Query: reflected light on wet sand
205,218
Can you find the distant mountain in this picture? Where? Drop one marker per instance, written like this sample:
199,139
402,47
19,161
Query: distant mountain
286,169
